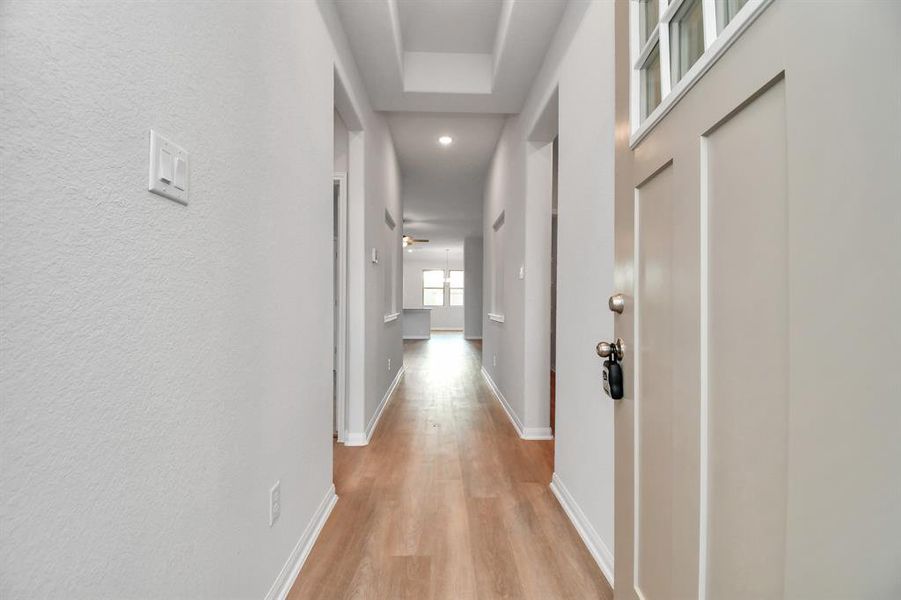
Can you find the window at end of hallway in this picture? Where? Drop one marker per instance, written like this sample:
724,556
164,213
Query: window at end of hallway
455,283
433,287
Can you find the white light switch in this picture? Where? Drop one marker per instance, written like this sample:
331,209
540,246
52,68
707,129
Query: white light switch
165,166
168,169
181,173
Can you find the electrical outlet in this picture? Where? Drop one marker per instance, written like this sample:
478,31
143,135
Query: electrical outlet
389,365
494,360
275,503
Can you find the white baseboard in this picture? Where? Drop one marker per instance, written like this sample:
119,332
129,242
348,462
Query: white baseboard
473,337
596,546
361,438
447,329
537,433
526,433
289,572
417,337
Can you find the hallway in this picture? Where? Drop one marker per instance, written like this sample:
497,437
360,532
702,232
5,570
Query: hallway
447,501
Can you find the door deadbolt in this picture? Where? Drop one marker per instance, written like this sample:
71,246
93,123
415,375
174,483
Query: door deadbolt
616,303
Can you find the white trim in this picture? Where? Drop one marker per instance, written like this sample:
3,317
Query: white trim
391,317
447,329
647,49
288,575
496,317
745,17
363,438
417,337
708,12
670,11
472,337
596,546
526,433
703,494
636,393
341,354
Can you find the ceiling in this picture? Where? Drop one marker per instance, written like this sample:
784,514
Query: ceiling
447,67
449,55
442,26
443,184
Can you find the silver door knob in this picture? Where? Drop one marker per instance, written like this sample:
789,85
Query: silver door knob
617,303
606,349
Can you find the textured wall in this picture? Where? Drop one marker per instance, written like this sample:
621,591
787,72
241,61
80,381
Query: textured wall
162,365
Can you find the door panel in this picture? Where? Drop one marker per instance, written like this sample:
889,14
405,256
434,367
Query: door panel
746,351
654,396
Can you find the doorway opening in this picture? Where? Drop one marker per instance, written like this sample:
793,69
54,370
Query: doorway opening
553,315
339,254
340,277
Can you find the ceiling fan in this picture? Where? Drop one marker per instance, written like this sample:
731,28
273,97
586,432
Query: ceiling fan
409,241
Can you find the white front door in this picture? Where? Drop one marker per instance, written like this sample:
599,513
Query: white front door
758,241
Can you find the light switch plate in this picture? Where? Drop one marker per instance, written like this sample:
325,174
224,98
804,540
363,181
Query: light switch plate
168,169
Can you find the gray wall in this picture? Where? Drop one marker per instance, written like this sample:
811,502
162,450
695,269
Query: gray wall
161,365
583,462
374,186
472,309
341,144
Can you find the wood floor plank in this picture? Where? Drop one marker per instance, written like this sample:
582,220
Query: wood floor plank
447,502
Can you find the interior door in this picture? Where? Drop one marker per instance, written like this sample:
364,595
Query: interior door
758,245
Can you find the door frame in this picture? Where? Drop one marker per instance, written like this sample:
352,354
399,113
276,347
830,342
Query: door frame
340,178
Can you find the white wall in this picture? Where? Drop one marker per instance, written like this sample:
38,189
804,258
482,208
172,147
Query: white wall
579,68
443,317
162,365
473,267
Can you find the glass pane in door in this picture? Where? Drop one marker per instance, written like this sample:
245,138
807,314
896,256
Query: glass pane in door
648,15
686,38
726,11
650,83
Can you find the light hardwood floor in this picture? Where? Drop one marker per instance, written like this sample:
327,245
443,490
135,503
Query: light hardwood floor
447,501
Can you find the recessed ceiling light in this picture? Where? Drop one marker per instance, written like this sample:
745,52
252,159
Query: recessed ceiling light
445,140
